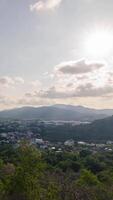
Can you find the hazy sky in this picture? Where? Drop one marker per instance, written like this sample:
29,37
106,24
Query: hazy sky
56,51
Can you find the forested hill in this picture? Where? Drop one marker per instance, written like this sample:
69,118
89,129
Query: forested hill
97,130
56,112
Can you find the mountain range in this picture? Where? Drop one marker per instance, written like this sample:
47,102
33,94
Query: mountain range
58,112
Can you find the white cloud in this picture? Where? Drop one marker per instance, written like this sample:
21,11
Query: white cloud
82,91
19,80
36,84
89,79
78,67
45,5
87,82
52,93
8,81
5,81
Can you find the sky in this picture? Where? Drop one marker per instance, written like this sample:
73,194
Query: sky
56,52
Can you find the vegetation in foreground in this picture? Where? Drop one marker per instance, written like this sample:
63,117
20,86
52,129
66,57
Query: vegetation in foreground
28,174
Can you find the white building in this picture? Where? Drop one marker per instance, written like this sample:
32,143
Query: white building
69,143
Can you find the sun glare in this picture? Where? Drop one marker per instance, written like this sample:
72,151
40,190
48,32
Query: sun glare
99,43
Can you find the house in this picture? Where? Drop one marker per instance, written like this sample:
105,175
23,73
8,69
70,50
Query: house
69,143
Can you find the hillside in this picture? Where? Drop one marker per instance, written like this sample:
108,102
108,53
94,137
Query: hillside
55,112
99,130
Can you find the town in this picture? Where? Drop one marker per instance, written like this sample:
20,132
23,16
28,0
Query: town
13,132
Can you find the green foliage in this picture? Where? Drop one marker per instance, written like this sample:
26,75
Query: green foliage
28,174
52,192
69,164
87,178
85,153
94,164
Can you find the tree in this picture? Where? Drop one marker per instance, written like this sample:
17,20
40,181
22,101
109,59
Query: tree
87,178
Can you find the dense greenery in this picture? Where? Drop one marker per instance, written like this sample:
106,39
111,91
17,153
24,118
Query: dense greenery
28,174
99,130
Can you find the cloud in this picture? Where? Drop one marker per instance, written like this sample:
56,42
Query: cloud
10,81
36,84
45,5
52,93
6,101
89,90
78,67
81,91
19,80
75,81
78,79
5,80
